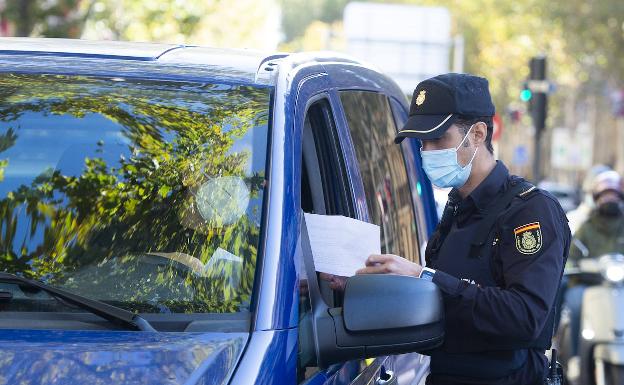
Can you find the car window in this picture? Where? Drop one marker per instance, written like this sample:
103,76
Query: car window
144,194
382,167
324,190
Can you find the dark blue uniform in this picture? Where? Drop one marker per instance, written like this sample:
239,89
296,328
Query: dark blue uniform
499,304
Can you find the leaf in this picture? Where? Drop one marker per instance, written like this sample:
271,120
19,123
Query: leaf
164,190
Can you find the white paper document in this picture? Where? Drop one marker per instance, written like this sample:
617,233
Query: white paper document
340,245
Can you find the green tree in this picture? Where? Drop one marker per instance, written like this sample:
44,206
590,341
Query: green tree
216,23
297,15
594,36
59,18
154,21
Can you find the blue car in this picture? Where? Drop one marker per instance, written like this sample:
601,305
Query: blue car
151,208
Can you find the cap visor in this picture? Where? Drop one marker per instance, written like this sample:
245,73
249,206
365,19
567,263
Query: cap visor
425,127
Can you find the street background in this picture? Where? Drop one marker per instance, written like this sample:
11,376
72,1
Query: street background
582,42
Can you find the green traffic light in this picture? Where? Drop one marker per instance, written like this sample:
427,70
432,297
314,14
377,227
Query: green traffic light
525,95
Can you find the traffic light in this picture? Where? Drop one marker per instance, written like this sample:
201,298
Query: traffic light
538,86
526,93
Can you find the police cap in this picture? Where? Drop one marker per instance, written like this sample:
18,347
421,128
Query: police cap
438,102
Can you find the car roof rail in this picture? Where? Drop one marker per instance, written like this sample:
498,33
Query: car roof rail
266,70
85,48
272,57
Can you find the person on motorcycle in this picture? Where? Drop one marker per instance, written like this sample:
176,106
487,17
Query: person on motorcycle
580,214
601,233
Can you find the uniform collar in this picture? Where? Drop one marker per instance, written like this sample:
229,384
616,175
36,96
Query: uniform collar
485,192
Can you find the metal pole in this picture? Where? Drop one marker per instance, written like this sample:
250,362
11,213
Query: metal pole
537,156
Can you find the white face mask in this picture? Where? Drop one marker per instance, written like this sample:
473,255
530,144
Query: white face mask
443,168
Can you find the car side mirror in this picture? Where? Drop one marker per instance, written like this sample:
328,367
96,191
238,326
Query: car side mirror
405,301
383,314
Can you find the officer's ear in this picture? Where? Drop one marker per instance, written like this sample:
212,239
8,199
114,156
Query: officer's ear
479,132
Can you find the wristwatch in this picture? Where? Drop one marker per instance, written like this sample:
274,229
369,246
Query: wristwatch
427,273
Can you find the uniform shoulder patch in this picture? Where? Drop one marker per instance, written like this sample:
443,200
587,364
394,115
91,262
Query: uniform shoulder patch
528,238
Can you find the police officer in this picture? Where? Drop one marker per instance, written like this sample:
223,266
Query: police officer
499,251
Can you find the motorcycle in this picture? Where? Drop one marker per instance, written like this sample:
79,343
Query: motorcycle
598,357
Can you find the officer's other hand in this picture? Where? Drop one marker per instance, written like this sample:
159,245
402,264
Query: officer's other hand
303,287
336,282
390,264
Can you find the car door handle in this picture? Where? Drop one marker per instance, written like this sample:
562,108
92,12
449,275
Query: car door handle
386,377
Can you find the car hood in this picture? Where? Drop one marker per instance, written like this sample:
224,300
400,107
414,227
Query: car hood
36,357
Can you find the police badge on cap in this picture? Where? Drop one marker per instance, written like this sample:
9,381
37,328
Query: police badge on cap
438,102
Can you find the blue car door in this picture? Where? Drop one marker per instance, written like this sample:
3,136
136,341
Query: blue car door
325,189
350,166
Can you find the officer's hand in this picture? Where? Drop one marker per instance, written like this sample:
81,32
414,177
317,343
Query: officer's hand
390,264
303,287
336,282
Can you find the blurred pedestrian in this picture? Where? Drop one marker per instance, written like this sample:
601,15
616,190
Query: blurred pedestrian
580,214
603,231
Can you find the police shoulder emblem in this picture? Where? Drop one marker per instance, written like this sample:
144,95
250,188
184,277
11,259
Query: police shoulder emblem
528,238
420,99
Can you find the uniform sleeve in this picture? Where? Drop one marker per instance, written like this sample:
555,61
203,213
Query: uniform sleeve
534,241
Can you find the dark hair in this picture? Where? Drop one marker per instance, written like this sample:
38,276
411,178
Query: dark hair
465,122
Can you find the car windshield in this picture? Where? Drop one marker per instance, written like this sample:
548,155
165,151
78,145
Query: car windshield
143,194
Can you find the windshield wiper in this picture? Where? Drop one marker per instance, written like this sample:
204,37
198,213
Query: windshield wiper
109,312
